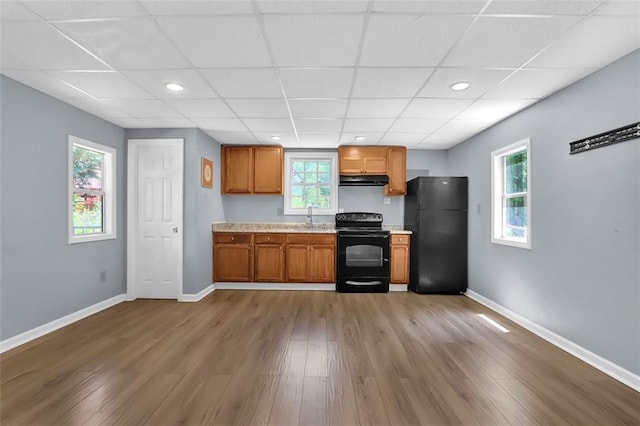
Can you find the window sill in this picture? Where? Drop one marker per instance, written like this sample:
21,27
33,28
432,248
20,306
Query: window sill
91,238
512,243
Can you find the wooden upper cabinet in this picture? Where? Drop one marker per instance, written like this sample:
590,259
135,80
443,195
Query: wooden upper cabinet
267,175
396,170
252,169
237,170
362,160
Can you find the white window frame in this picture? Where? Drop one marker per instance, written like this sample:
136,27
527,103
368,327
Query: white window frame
289,157
108,189
498,197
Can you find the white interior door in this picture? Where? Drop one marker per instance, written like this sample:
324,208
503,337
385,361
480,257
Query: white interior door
154,238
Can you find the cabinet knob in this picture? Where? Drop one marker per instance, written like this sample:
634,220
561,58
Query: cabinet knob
268,238
233,238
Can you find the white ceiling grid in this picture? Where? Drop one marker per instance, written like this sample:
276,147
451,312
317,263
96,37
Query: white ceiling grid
315,73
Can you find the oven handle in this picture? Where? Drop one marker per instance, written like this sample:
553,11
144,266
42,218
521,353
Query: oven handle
349,282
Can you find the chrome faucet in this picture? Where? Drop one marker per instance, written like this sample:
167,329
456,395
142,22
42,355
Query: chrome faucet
310,215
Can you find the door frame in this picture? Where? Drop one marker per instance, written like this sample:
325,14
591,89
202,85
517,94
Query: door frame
132,209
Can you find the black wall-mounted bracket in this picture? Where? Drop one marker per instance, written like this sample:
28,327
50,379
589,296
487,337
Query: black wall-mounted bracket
621,134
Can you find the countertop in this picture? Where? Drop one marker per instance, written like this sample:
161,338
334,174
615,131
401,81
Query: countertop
323,228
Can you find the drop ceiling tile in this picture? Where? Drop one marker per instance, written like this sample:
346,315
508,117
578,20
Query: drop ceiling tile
103,85
14,11
231,41
144,108
547,7
402,138
370,138
203,108
619,7
317,82
155,81
389,82
231,137
464,127
285,138
411,40
376,108
366,125
128,123
244,83
44,82
220,124
169,123
494,109
319,139
197,8
435,146
268,124
312,6
97,107
593,43
259,108
416,125
40,45
314,40
480,79
318,108
439,139
318,125
435,108
536,83
135,43
59,10
507,41
429,7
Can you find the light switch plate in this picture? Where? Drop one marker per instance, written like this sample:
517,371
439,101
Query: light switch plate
340,210
387,200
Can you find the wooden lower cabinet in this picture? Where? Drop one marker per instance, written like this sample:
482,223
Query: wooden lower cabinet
269,258
311,258
232,256
400,259
322,261
297,263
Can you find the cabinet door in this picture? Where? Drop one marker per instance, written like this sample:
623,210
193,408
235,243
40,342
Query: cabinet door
232,262
322,264
237,170
297,263
399,264
397,171
269,263
267,176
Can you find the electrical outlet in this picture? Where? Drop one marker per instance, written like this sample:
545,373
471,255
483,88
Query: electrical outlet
103,276
387,200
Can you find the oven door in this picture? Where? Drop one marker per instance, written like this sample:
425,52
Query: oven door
363,255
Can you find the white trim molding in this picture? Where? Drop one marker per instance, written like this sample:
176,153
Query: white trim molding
275,286
54,325
607,367
198,296
398,287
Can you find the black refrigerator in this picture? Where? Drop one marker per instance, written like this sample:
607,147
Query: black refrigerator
435,210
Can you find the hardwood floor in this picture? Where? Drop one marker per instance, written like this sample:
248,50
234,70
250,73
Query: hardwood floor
290,357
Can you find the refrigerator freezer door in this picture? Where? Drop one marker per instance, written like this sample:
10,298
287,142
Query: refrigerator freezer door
443,193
439,256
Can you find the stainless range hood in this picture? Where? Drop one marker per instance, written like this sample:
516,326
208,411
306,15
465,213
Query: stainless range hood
364,180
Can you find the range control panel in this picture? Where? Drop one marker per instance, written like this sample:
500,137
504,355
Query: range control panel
359,217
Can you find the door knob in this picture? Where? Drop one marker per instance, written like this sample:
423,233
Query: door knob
175,230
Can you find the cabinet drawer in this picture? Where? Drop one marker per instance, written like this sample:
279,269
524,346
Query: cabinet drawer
232,237
311,238
400,239
269,238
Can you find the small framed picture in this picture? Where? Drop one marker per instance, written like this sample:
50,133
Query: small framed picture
206,173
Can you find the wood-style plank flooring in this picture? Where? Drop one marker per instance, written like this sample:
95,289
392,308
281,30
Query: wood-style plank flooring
292,357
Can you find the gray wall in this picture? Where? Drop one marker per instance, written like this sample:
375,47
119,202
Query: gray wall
43,278
202,206
581,277
269,208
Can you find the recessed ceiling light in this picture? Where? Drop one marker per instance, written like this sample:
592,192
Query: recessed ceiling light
175,87
275,138
461,85
359,138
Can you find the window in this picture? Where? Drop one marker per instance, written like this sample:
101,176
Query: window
511,196
92,169
310,180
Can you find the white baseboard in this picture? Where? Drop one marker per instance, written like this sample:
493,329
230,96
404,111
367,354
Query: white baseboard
275,286
609,368
398,287
199,296
54,325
